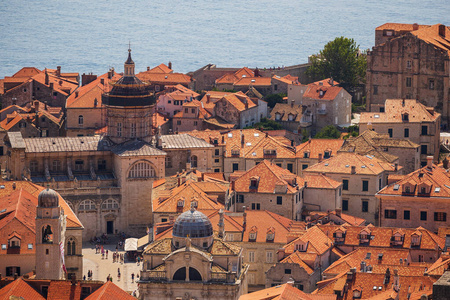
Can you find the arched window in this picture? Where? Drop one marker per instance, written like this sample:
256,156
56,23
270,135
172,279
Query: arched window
142,170
71,247
87,205
110,204
47,235
80,120
194,161
194,275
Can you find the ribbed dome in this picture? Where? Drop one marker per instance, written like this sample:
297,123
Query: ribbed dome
192,223
48,198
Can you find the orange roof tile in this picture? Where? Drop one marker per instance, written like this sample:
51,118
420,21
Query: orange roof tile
231,78
60,84
394,109
430,35
316,146
110,291
320,181
162,68
322,92
165,78
27,72
238,100
283,111
19,288
399,26
254,81
284,292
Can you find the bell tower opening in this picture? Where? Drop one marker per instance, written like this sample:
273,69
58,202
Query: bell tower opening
47,235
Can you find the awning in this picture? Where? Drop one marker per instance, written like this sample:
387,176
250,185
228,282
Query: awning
143,241
131,244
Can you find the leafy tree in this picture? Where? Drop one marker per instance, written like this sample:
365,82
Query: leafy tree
266,124
342,60
328,132
274,99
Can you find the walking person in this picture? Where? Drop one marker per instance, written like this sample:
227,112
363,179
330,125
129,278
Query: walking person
132,277
106,253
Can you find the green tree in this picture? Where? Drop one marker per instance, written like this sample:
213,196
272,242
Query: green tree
341,60
328,132
266,124
274,99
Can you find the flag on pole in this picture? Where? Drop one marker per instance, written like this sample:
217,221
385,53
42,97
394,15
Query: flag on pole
61,249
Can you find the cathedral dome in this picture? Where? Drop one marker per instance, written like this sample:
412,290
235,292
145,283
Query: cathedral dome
48,198
192,223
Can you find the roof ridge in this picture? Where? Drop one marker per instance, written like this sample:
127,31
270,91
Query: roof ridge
270,213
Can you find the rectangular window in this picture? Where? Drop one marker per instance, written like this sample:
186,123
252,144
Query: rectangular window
193,110
365,206
216,160
304,166
390,214
424,130
119,129
375,89
287,271
195,123
269,257
431,84
216,152
101,164
365,185
408,81
345,205
186,110
423,216
251,256
345,184
379,184
216,170
178,122
390,132
408,64
406,132
235,167
423,149
440,216
240,199
279,200
290,167
256,206
30,246
406,215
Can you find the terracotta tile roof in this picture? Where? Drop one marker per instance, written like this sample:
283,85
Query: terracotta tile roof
109,291
322,92
85,96
316,146
439,266
343,162
268,176
161,119
399,26
394,109
238,100
187,193
194,103
283,292
320,181
381,236
219,122
430,35
172,78
282,111
27,72
288,79
317,242
233,77
296,258
162,68
437,180
60,84
332,216
19,288
254,81
325,82
63,290
366,283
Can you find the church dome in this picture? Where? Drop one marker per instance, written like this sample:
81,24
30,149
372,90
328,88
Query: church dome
192,223
48,198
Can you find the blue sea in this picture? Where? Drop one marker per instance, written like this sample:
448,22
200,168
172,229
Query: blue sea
91,36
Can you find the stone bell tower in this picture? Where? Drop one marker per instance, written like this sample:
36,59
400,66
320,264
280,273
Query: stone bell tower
50,234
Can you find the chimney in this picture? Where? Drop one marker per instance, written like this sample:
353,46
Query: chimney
396,281
331,81
74,279
246,104
396,167
445,163
320,83
353,169
380,258
148,68
232,185
109,74
208,98
242,139
102,81
363,266
46,77
221,224
51,86
15,276
112,72
338,212
442,30
320,157
170,65
58,71
36,105
387,276
430,162
292,103
415,26
76,94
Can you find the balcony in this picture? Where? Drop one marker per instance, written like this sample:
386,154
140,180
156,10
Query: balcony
153,275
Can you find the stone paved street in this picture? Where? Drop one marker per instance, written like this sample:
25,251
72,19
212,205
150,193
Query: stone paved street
103,267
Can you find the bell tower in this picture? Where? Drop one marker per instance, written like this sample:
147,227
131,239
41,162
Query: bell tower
50,236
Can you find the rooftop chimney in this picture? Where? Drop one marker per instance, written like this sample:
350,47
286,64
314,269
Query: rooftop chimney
221,224
76,94
363,266
208,98
403,102
170,65
320,157
442,30
148,68
415,26
36,105
353,169
46,77
58,71
102,81
396,167
396,281
429,162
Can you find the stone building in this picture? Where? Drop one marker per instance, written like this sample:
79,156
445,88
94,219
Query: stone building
419,199
34,224
361,177
392,150
412,65
193,263
291,117
315,151
408,119
170,101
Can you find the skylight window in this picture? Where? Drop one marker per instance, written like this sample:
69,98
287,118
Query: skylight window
256,134
326,164
436,190
376,116
230,135
249,144
3,210
396,187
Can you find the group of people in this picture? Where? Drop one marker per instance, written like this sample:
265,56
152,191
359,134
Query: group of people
118,257
89,277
